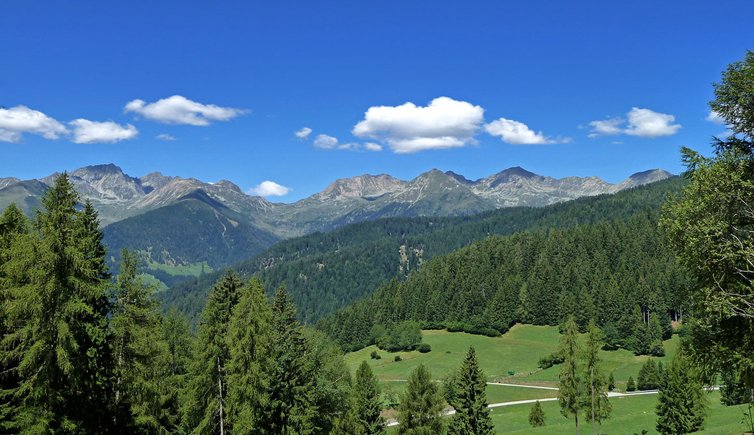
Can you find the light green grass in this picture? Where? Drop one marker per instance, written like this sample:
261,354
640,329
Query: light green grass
153,281
519,350
193,269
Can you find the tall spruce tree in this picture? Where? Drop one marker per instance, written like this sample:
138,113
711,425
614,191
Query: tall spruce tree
366,404
58,317
176,336
472,415
137,347
420,411
649,376
205,407
13,225
681,403
570,387
598,405
250,345
289,408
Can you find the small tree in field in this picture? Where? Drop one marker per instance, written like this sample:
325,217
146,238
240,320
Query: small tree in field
536,415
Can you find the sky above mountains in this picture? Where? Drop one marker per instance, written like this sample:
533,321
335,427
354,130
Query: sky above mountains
283,97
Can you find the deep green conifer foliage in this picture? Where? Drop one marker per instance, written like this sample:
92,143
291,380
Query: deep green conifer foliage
421,405
250,341
13,224
58,319
649,377
366,402
537,415
470,402
137,347
205,406
289,408
681,403
598,407
176,336
570,385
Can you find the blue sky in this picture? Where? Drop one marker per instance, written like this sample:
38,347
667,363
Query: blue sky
523,84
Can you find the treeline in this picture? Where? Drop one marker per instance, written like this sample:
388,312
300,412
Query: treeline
83,352
324,272
618,273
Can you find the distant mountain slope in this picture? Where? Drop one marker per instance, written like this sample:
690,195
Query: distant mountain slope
324,271
129,207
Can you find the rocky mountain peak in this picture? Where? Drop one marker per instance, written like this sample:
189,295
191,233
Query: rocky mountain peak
361,186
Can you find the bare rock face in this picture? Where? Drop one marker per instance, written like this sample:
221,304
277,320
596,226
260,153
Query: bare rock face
118,196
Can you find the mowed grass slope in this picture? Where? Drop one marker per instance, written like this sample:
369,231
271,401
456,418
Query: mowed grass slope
512,357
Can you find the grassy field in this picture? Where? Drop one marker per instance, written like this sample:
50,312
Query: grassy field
517,352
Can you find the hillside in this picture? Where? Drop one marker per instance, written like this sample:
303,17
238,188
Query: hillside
325,271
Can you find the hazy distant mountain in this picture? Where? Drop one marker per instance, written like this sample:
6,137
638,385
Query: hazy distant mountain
162,215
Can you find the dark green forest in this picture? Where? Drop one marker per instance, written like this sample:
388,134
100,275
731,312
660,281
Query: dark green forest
617,272
326,271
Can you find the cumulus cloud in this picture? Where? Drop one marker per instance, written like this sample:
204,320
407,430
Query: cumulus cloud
269,188
165,137
518,133
408,128
715,118
85,131
16,121
327,142
638,122
180,110
303,133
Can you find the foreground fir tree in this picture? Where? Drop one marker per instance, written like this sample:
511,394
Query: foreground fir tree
598,405
649,376
137,347
681,403
288,408
570,389
366,402
250,341
176,336
472,415
420,411
537,415
58,319
13,225
205,405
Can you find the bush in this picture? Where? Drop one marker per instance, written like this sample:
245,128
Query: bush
424,348
397,358
630,386
400,336
374,355
550,360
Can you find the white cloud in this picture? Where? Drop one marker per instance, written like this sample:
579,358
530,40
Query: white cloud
85,131
269,188
165,136
444,123
606,127
518,133
16,121
715,118
648,123
303,133
180,110
325,142
639,122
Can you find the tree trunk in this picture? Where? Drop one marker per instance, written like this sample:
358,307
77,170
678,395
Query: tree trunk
591,382
576,416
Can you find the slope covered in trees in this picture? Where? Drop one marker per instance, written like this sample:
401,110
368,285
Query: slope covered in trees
616,272
324,272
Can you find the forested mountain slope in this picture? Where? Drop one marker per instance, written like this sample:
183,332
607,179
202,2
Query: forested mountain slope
325,271
617,272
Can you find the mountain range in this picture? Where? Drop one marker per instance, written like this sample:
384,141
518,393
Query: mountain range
177,222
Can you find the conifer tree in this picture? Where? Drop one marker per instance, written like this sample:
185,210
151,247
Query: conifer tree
366,402
537,415
630,385
289,408
611,382
470,402
59,319
13,225
570,390
420,410
176,336
598,406
205,407
136,346
648,378
681,403
250,340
